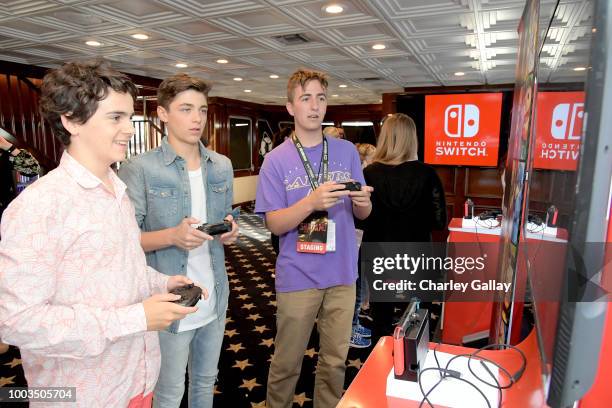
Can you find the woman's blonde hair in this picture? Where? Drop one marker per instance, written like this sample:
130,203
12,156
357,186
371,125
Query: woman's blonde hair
332,131
397,142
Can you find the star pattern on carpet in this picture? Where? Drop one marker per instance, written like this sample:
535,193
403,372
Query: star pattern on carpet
254,317
355,363
311,352
14,363
6,381
250,384
231,333
300,399
235,347
260,329
267,342
242,364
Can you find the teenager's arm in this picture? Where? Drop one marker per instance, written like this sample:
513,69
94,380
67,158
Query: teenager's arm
286,219
181,235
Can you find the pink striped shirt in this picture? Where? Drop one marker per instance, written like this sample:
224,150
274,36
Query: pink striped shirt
72,279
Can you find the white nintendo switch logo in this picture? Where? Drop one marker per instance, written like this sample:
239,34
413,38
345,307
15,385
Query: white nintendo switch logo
566,123
461,120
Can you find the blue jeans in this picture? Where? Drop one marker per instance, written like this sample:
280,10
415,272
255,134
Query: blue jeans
199,349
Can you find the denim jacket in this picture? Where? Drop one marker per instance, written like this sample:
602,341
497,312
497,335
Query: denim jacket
158,185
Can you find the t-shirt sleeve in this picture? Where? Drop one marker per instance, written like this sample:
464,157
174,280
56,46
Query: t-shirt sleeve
270,195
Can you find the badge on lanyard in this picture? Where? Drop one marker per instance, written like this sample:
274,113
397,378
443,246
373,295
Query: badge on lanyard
317,233
312,233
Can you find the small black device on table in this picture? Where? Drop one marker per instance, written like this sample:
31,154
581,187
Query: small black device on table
410,343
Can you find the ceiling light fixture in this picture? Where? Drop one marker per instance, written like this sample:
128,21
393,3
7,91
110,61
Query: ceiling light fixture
334,95
333,9
379,46
274,76
181,65
237,79
140,36
222,61
248,91
459,73
580,69
93,43
341,86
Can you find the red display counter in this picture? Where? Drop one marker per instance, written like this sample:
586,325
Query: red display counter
368,389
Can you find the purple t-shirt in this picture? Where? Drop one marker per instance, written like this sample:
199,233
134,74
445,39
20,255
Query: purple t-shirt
283,182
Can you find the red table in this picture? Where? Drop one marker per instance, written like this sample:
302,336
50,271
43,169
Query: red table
368,389
462,321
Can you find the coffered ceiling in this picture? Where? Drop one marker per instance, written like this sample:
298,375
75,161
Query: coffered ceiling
426,41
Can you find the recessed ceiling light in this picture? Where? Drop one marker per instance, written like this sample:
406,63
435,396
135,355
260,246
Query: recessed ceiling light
181,65
140,36
334,9
335,95
341,86
93,43
379,46
237,79
459,73
594,30
222,61
248,91
273,76
579,69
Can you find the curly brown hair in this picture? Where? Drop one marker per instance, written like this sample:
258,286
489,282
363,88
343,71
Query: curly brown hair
176,84
301,77
74,91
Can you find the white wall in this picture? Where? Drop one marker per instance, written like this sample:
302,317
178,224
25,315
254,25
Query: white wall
244,189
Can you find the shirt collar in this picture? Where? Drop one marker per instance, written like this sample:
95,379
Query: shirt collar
170,155
86,178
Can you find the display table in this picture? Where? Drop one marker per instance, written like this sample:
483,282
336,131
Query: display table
467,321
368,389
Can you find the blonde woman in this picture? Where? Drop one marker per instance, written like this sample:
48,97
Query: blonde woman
408,199
332,132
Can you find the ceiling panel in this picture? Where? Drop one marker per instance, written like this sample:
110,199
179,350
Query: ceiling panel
426,41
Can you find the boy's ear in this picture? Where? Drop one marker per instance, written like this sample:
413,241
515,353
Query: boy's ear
70,126
289,107
162,113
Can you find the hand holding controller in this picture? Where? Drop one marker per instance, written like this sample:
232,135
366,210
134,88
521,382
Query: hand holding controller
350,186
216,229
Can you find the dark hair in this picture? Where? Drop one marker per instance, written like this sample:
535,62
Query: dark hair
176,84
74,91
301,77
280,136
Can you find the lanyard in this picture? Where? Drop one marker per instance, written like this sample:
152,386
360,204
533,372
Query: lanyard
314,181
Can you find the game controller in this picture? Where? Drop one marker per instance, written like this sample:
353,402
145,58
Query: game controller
216,229
350,186
190,295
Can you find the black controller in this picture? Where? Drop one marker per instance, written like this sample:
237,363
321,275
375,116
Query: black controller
190,295
216,229
350,186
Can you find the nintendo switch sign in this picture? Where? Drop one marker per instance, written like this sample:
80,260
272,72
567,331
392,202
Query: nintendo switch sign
462,129
559,120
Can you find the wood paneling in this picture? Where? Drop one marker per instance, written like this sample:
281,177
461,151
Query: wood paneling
482,183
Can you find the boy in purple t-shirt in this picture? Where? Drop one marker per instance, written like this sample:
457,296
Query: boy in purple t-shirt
298,187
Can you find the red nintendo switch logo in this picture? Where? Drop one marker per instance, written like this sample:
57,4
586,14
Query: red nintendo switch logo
559,121
461,120
462,129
